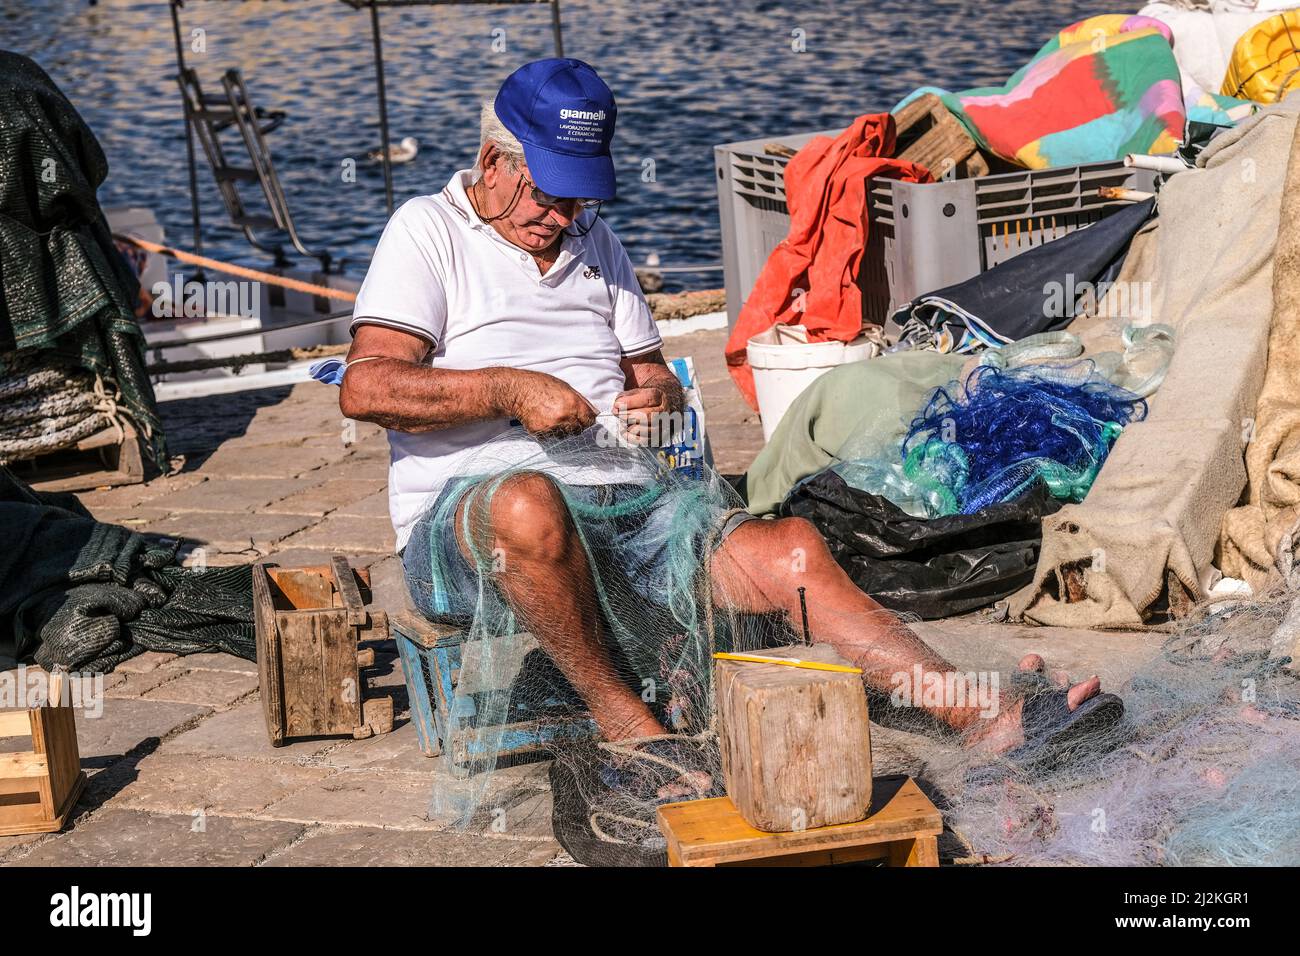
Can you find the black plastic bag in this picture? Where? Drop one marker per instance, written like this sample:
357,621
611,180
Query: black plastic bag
933,568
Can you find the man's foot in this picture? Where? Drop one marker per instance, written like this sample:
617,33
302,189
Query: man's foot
1006,731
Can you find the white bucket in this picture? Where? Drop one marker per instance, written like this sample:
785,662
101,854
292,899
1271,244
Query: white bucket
784,366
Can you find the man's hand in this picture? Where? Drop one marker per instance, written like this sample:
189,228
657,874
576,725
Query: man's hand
644,412
548,407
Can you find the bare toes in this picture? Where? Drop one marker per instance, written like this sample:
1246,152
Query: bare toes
1032,663
1083,691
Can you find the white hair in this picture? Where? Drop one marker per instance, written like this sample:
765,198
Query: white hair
492,130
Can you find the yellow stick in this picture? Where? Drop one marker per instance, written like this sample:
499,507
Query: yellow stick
787,662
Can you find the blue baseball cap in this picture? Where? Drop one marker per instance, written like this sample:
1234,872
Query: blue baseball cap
563,114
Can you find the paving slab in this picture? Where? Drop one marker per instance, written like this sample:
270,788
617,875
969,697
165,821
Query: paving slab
125,725
328,495
307,557
141,663
230,531
345,534
398,801
215,661
240,732
370,846
178,783
209,688
396,750
975,642
117,837
264,461
134,518
136,683
131,496
372,506
367,463
234,494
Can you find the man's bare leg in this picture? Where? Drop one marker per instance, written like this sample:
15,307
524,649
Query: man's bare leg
546,580
760,567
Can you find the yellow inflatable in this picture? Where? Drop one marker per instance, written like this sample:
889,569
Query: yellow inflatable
1265,62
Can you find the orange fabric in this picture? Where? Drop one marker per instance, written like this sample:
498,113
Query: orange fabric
825,188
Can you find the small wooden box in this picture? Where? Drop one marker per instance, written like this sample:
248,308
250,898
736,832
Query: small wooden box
902,829
796,742
309,622
39,787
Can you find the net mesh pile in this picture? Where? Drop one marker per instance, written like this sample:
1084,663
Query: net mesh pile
1204,767
997,433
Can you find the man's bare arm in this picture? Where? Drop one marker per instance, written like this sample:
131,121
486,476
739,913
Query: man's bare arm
393,388
651,371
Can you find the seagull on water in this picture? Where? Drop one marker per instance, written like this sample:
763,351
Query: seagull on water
403,152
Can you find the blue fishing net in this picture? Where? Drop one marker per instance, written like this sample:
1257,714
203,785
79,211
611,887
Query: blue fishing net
991,437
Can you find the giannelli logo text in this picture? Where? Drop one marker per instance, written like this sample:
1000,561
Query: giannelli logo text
75,908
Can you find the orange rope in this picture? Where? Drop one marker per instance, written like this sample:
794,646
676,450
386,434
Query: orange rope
295,284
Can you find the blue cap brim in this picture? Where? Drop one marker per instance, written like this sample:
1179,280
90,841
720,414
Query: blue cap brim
571,177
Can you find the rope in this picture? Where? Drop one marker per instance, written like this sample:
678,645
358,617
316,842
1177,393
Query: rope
227,268
237,362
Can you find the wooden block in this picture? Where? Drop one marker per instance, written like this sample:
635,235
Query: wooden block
902,828
796,743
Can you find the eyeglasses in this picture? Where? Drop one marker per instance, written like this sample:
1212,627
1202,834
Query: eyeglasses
546,199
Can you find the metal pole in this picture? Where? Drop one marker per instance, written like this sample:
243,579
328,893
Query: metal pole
383,107
555,28
189,134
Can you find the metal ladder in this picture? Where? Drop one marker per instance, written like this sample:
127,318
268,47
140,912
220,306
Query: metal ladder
208,116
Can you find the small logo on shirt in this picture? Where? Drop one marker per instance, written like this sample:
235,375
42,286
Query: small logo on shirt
591,272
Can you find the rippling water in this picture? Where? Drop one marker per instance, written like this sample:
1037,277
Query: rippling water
687,75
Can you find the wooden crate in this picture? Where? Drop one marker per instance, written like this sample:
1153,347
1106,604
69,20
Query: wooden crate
447,707
309,622
902,829
930,135
39,787
108,457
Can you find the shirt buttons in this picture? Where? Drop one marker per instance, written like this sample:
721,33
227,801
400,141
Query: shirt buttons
523,257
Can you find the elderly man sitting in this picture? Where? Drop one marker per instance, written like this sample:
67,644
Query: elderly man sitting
505,301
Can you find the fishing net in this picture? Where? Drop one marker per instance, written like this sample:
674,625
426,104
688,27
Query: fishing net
1203,770
590,595
581,570
992,437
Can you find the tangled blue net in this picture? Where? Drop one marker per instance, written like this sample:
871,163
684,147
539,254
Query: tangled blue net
990,438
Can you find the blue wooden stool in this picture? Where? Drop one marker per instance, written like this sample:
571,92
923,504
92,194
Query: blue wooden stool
446,710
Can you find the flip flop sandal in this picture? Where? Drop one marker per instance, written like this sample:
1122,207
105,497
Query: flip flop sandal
604,797
1055,735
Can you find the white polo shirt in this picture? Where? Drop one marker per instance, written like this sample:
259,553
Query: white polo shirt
443,274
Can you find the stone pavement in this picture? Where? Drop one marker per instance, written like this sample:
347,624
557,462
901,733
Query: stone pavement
180,768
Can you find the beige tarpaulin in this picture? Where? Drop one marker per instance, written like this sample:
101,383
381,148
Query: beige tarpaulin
1259,538
1144,541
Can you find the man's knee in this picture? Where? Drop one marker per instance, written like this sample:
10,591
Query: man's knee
787,537
529,518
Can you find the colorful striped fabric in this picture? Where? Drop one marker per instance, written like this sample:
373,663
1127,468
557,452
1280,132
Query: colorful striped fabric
1099,89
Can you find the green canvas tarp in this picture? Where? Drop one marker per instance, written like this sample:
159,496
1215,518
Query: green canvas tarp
66,293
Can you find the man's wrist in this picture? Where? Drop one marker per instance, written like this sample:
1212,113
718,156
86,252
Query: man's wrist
506,391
